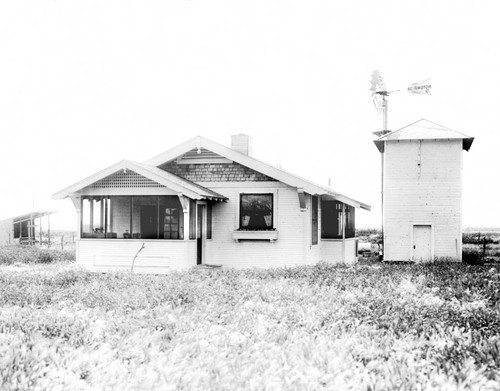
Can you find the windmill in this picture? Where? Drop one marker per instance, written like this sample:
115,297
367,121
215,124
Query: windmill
380,95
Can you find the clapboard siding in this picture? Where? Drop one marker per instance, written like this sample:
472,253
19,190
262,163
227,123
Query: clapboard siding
422,185
293,246
158,256
288,250
332,250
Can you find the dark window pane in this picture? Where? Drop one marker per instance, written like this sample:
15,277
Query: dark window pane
331,220
256,211
209,221
192,219
314,220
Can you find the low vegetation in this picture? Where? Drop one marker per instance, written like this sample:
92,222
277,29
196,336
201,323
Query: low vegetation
15,254
370,327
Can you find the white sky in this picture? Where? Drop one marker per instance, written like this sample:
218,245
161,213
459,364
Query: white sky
84,84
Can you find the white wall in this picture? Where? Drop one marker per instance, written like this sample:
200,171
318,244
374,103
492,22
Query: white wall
331,250
293,246
158,256
429,193
288,250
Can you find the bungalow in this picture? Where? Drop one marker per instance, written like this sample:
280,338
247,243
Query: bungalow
204,203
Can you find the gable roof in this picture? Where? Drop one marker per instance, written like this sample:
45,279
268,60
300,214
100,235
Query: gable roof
424,130
257,165
171,181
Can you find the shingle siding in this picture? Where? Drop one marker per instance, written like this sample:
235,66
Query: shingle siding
216,172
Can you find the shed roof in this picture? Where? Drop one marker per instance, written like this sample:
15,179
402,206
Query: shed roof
424,130
29,216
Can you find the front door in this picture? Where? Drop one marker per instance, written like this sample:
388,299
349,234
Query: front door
200,234
422,243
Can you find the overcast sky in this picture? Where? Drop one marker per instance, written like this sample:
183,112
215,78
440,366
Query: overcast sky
84,84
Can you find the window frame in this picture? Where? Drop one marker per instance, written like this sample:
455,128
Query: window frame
240,214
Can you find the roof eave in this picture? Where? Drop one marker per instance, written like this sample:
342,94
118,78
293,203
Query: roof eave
380,145
467,143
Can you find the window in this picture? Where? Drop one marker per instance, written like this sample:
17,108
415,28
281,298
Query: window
209,221
314,220
171,223
331,220
192,219
256,212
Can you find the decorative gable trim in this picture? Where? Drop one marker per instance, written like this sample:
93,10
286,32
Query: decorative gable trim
201,156
153,174
125,178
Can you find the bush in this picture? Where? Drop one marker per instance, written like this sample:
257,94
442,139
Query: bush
30,254
480,238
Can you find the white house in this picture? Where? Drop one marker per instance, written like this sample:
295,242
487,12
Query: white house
204,203
422,191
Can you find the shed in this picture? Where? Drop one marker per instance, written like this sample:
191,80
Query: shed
27,228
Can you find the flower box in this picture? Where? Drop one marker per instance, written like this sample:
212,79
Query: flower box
271,235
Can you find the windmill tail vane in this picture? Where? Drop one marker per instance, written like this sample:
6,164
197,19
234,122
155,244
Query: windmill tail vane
420,87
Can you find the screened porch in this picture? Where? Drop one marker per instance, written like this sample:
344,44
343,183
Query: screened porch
139,217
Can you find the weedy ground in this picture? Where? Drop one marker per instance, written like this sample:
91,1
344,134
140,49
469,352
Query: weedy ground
366,327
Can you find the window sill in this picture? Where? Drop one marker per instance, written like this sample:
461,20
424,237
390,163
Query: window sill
255,235
338,239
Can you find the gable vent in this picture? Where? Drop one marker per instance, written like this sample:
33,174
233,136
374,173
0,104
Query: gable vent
125,179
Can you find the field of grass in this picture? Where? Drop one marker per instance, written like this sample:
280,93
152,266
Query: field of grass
366,327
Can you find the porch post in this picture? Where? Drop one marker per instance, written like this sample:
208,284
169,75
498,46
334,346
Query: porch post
185,209
78,203
186,223
343,232
91,229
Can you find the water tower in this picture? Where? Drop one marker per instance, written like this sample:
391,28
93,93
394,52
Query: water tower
422,191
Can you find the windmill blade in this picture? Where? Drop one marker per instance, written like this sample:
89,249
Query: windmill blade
377,81
420,87
377,102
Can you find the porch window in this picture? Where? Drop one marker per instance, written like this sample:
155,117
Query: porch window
256,212
171,224
331,220
132,217
314,220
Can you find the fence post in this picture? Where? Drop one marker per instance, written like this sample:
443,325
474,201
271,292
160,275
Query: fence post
484,245
62,242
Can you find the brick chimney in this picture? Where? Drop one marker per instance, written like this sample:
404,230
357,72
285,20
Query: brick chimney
242,143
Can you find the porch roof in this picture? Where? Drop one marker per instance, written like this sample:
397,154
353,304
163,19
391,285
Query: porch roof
164,178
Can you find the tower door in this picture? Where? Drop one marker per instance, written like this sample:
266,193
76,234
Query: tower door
422,243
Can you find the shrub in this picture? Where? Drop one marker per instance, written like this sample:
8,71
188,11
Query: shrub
30,254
